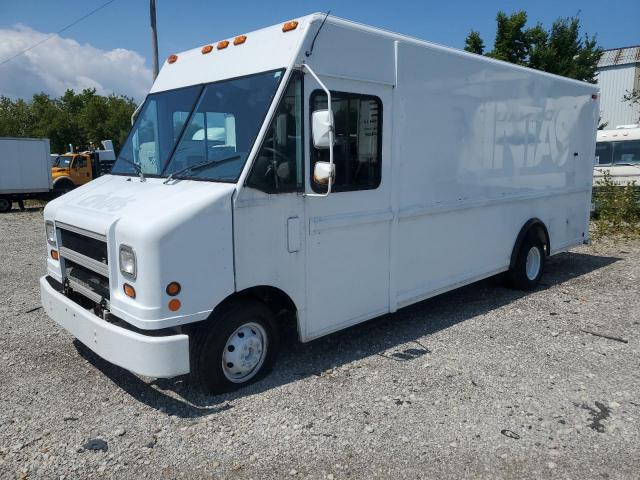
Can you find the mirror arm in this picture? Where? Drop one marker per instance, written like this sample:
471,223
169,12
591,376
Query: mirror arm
135,113
331,129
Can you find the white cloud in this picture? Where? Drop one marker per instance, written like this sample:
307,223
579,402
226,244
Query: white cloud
62,63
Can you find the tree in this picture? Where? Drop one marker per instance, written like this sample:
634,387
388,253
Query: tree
474,43
633,97
511,43
561,50
74,118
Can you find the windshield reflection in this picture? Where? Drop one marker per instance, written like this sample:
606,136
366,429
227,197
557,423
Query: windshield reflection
197,126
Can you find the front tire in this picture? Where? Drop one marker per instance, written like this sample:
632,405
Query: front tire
529,265
237,347
63,186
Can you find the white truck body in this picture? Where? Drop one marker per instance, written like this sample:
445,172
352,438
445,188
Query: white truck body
24,165
618,153
469,151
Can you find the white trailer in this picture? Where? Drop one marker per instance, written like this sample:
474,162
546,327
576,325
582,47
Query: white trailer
240,200
24,170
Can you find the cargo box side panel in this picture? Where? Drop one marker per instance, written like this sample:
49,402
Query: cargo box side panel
484,146
24,164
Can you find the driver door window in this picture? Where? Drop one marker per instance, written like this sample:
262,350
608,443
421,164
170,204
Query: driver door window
278,166
358,140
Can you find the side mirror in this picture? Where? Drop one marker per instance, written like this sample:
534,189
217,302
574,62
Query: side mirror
321,125
323,173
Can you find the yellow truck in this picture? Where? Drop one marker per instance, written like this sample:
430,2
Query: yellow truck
71,170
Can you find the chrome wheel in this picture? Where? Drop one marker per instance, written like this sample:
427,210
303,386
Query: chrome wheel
244,352
534,261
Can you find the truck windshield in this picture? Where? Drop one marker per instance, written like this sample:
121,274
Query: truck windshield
62,161
199,125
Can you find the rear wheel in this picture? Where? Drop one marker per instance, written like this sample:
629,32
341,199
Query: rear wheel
529,265
236,348
5,205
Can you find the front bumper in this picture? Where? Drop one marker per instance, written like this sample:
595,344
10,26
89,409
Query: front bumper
161,356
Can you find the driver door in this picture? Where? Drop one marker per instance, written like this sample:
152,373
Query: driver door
348,232
80,170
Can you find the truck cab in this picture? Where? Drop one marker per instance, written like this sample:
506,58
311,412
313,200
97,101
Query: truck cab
72,170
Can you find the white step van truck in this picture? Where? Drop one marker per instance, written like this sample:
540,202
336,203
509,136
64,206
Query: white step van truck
319,170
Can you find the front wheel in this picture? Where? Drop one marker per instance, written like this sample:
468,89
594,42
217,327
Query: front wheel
529,265
235,348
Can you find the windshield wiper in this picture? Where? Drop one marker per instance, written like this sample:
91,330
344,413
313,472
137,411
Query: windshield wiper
137,168
200,165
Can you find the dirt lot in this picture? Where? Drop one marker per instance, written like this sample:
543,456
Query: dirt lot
481,382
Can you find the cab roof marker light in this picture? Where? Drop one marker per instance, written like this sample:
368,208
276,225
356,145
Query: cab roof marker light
172,58
206,49
240,39
292,25
223,44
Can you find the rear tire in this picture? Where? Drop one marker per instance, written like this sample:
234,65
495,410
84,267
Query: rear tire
5,205
235,348
529,265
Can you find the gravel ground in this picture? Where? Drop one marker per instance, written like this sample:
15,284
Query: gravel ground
482,382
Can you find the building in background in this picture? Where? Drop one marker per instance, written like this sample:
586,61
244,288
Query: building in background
619,74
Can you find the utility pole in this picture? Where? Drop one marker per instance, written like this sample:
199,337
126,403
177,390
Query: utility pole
154,37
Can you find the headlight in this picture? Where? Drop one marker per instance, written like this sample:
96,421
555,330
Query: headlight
128,261
51,232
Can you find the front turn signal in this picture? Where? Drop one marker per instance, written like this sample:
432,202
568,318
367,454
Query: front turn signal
173,289
129,291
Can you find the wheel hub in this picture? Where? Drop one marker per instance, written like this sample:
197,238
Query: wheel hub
534,260
244,352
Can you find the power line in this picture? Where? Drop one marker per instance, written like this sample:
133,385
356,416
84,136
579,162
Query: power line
58,32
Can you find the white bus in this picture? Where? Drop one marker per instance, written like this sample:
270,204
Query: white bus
618,153
319,171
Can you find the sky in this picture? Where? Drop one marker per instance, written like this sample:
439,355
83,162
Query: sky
111,50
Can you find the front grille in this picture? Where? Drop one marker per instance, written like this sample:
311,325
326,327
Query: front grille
85,262
87,246
87,279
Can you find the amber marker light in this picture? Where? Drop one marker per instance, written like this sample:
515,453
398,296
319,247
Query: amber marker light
172,58
207,49
54,254
174,305
240,39
129,291
292,25
173,289
223,44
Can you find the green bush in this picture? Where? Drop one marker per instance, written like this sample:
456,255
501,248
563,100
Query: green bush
617,207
